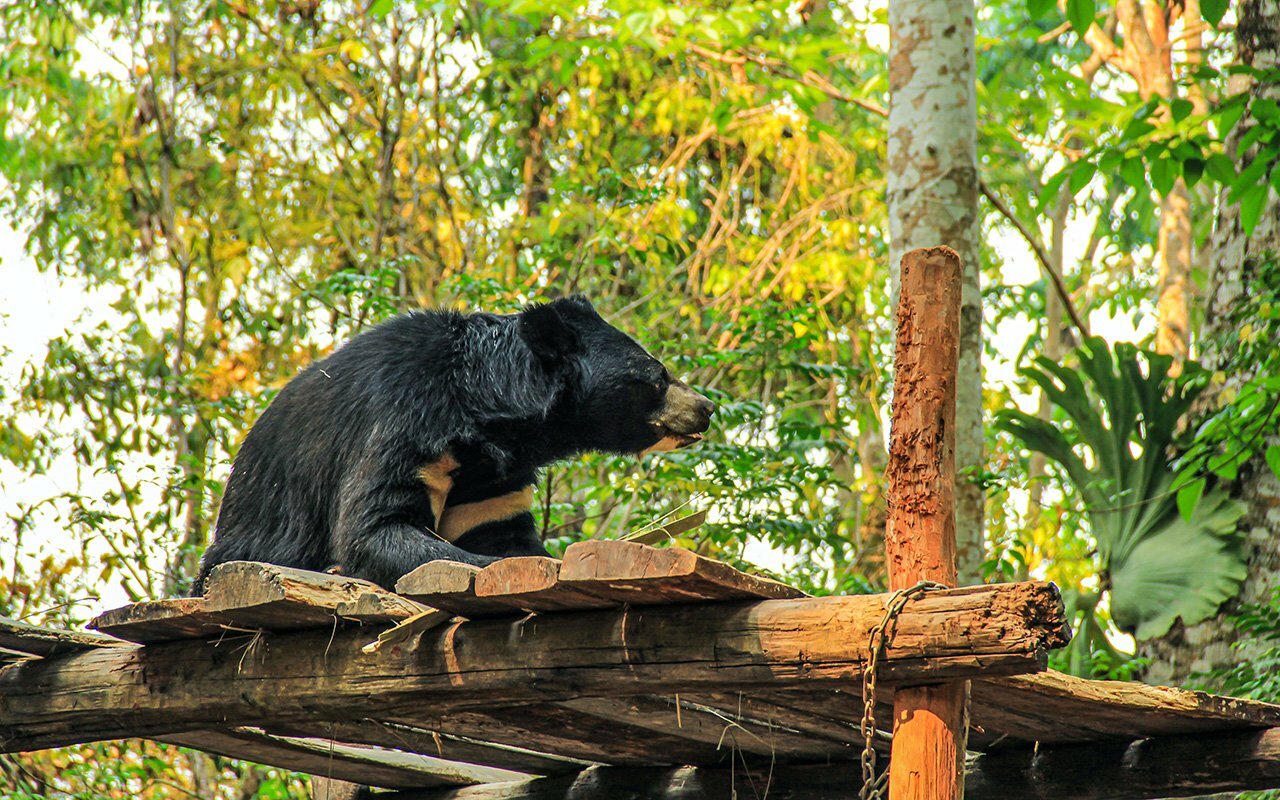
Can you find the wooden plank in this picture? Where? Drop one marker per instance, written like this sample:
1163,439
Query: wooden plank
555,728
392,769
162,621
431,740
38,640
451,586
930,722
1058,708
533,584
740,730
270,597
719,647
634,573
378,608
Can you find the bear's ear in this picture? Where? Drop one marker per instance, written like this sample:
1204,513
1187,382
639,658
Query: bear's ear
547,333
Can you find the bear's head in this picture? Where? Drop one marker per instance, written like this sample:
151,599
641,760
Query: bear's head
618,398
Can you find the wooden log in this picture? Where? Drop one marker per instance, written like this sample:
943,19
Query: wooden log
371,766
253,595
451,586
634,573
721,647
533,584
1058,708
1184,766
431,740
930,722
38,640
555,728
682,718
378,608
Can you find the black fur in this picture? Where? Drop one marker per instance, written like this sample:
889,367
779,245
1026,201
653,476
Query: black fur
329,475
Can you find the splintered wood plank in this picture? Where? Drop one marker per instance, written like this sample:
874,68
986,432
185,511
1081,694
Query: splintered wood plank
391,769
434,742
1054,707
38,640
832,715
154,621
630,572
451,586
271,597
378,608
533,583
685,719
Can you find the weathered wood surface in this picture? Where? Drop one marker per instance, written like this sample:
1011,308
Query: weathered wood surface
163,621
1181,766
554,728
930,722
392,769
533,583
378,608
630,572
722,647
37,640
431,740
1056,708
254,595
450,586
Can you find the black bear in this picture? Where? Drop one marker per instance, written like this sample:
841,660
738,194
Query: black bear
421,439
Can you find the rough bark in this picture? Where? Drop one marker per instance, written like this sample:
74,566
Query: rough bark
933,200
929,722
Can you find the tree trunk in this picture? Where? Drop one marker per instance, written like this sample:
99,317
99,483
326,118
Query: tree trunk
933,200
1235,262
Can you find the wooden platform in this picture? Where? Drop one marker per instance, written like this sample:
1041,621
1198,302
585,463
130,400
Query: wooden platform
623,665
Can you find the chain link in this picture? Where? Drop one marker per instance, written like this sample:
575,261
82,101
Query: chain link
873,786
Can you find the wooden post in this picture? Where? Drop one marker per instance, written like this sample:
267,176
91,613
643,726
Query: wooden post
930,722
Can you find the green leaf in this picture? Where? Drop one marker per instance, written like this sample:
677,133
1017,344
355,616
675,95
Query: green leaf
1081,13
1251,207
1213,11
1038,8
1189,496
380,8
1181,108
1273,459
1221,168
1134,173
1192,170
1164,172
1186,570
1081,175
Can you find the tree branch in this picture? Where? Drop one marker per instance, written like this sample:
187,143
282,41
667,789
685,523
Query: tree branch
1041,256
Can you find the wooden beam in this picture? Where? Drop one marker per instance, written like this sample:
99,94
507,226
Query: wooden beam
163,621
723,647
392,769
930,722
1182,766
630,572
249,594
451,586
37,640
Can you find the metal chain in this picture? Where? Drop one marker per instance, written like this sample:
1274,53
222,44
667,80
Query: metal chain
873,786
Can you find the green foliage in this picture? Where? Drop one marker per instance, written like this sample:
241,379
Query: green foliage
1114,440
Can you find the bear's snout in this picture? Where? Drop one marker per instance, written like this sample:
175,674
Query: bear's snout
682,419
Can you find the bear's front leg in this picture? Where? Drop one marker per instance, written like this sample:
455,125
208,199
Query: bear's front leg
384,554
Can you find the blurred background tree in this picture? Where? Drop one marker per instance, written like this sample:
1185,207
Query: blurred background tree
235,188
